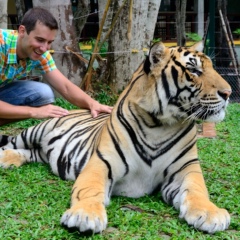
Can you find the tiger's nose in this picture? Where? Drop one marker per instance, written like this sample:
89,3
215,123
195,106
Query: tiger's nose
225,94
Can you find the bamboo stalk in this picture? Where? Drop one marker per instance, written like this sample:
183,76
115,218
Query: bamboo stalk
129,31
112,25
228,40
206,32
87,78
76,54
231,39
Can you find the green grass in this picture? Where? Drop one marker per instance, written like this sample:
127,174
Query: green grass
32,199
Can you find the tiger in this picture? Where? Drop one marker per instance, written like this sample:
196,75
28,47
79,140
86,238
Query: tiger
146,145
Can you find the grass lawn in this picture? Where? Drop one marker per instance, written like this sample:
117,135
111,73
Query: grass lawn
32,199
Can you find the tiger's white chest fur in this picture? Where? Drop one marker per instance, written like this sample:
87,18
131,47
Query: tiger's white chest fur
150,166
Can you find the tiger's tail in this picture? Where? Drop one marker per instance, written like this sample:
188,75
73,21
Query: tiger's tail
4,139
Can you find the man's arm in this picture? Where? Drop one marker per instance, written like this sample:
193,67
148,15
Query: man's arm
74,94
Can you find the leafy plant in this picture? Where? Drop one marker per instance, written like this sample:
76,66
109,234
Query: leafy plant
105,95
237,31
92,42
193,37
155,40
61,102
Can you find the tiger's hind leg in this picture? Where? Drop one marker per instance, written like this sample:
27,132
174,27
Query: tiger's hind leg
18,157
90,194
191,197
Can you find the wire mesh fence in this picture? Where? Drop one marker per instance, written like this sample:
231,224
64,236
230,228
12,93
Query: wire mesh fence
233,78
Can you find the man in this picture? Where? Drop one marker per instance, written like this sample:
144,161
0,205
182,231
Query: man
27,49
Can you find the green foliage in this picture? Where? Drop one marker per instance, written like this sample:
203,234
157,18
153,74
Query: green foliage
193,37
105,96
15,128
32,199
92,42
61,102
155,40
237,31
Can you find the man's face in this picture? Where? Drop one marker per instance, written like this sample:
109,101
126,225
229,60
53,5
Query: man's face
37,42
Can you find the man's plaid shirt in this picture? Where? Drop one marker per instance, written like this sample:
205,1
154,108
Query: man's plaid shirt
12,69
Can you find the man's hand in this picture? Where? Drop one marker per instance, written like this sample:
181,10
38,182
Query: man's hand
97,108
48,111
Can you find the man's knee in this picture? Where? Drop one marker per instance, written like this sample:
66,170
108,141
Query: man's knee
42,96
27,93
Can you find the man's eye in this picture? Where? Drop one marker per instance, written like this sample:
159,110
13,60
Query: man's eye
40,40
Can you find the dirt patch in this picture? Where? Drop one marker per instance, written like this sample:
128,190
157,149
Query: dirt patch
206,130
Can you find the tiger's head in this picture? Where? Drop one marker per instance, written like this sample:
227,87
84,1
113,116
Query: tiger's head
185,83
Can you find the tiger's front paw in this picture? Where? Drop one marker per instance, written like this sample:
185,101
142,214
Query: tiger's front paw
205,216
11,157
86,216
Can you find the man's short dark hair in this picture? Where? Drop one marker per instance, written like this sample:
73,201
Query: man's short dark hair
37,14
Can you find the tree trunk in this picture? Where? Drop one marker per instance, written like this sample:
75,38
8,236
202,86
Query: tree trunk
180,21
81,15
128,52
3,14
108,21
20,9
67,63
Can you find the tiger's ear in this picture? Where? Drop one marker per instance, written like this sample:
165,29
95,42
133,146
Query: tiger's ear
199,46
156,53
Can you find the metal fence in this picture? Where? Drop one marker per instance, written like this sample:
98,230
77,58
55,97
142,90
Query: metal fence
233,78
